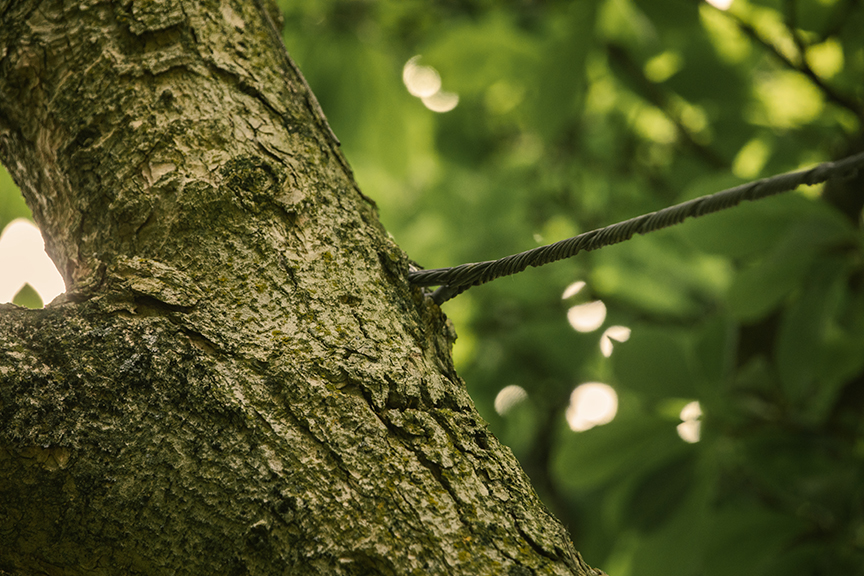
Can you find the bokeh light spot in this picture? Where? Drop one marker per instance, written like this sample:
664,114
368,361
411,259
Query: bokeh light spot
424,82
441,101
573,289
508,397
690,429
591,404
587,317
617,333
421,81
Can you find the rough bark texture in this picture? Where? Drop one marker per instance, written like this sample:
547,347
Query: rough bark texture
239,379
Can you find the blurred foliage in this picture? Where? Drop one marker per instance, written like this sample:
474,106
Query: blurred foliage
12,204
574,115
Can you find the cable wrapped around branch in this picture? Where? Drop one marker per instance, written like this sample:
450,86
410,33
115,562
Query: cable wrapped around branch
453,281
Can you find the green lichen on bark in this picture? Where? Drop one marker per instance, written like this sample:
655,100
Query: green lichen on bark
240,379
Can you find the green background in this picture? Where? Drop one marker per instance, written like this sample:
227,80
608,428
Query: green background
574,115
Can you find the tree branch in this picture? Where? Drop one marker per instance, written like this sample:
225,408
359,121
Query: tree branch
659,98
802,67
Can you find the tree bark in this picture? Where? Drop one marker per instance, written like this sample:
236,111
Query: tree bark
239,379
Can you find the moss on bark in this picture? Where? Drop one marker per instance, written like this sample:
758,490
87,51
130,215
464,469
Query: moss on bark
239,379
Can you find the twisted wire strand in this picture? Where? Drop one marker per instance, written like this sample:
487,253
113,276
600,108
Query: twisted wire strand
455,280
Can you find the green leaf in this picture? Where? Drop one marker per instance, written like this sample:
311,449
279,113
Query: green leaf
714,351
659,495
760,288
812,365
560,74
753,227
747,229
744,537
628,446
677,548
28,297
657,274
656,362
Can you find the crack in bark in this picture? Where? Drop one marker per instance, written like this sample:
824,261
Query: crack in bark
149,304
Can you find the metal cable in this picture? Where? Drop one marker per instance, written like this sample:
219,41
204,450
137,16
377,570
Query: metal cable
455,280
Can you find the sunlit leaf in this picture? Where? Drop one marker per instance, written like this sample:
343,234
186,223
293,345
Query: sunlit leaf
787,100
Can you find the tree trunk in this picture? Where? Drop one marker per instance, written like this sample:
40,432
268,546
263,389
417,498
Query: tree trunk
239,378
